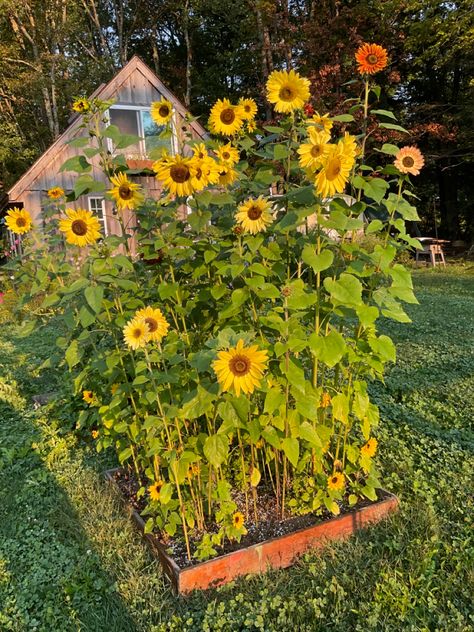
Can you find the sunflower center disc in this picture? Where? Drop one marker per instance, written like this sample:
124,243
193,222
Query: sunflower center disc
408,161
254,212
316,151
164,111
137,333
226,155
240,365
125,192
286,93
20,222
228,116
334,479
152,324
333,169
79,227
372,59
179,173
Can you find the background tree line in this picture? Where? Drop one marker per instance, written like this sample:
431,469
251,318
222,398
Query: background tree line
54,50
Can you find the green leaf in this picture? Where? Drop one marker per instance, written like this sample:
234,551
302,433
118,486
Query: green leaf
124,455
76,163
340,407
346,290
291,448
94,296
376,188
309,434
216,448
343,118
317,262
397,128
280,152
73,354
386,113
273,400
388,148
255,477
384,347
329,349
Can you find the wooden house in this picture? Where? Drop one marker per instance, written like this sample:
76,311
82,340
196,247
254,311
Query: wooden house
133,89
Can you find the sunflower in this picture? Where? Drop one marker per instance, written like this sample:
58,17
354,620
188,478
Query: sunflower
336,167
161,111
325,400
155,489
409,160
18,220
240,368
225,118
55,193
254,215
227,174
249,109
348,145
287,90
157,324
81,227
322,123
251,127
228,154
88,396
370,448
371,58
136,333
114,388
95,434
206,171
336,481
81,105
312,153
176,173
125,192
238,520
200,151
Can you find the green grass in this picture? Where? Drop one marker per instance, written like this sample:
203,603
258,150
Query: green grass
70,559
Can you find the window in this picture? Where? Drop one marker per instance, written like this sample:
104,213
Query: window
97,206
137,120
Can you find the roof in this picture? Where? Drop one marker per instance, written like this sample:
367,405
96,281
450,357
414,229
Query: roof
104,92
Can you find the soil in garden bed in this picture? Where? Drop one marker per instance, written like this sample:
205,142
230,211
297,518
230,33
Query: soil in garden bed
269,524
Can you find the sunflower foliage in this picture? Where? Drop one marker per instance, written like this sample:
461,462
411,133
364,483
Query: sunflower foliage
224,341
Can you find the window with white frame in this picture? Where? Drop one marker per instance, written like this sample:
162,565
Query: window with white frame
97,206
137,120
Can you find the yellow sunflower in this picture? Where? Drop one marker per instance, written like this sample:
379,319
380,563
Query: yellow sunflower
287,90
251,127
88,396
161,111
200,151
157,324
81,105
18,220
238,520
311,153
228,154
254,215
136,333
321,123
348,145
371,58
55,193
127,194
336,481
409,160
225,119
81,227
206,171
227,174
249,109
325,400
370,448
334,173
176,173
95,434
155,489
240,368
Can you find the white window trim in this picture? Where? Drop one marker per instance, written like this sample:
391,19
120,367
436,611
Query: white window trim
92,210
141,133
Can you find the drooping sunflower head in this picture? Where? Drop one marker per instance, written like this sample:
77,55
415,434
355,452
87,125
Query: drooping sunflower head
254,215
409,160
322,123
249,109
228,154
287,90
370,448
136,333
81,227
161,111
336,481
81,105
88,396
238,520
125,193
157,323
325,400
371,58
155,489
176,173
55,193
240,368
225,119
18,220
335,171
227,174
311,154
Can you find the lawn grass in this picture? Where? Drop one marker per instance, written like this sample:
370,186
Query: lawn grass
70,559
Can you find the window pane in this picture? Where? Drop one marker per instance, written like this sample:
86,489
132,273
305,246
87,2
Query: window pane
127,122
97,206
152,132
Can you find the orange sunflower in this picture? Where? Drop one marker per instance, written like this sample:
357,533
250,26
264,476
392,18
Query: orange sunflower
371,58
409,160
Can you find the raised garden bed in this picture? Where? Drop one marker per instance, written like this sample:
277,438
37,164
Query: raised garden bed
275,552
